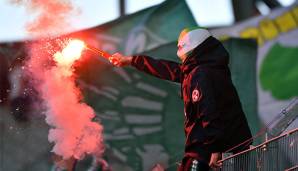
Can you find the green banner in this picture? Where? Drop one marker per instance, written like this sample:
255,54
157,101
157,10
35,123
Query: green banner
143,30
243,63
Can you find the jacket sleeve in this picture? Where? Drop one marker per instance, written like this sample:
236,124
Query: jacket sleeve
167,70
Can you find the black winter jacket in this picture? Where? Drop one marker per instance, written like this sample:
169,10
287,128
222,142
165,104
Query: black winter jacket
214,119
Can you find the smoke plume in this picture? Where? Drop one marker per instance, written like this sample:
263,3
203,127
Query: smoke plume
48,17
73,132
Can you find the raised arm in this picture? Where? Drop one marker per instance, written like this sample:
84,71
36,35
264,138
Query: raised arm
167,70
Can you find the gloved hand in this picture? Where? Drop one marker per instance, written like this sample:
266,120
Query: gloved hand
120,60
215,157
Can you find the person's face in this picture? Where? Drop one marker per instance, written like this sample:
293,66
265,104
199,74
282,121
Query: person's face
182,47
181,55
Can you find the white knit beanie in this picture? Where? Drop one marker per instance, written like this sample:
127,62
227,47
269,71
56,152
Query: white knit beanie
190,39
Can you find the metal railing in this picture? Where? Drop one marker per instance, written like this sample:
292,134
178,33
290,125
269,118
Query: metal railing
277,154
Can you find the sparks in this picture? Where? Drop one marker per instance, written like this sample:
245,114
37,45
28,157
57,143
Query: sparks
73,51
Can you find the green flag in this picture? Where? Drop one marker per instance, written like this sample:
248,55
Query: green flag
243,54
143,30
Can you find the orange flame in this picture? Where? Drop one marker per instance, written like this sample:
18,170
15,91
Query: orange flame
66,58
70,53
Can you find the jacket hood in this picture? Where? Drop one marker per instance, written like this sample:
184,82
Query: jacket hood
210,53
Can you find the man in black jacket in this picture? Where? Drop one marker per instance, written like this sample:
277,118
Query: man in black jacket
214,119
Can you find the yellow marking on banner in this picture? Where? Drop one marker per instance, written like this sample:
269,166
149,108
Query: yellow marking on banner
268,29
295,12
286,22
252,32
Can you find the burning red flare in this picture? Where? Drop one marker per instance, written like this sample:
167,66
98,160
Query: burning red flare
70,53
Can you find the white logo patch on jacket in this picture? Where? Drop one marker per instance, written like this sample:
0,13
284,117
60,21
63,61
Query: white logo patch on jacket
195,95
